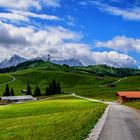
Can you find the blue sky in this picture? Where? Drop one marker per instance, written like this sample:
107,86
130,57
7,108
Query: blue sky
93,31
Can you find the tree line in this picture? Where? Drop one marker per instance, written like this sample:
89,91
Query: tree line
52,89
105,70
8,92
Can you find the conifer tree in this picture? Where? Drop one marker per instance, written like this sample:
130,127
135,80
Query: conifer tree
12,92
58,88
29,90
47,92
37,91
53,88
7,91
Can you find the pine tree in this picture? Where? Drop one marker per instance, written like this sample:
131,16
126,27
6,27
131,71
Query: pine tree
37,91
54,87
7,91
12,92
58,88
47,92
29,90
51,91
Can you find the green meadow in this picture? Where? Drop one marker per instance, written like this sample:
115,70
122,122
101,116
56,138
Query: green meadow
60,118
4,78
83,84
57,119
134,104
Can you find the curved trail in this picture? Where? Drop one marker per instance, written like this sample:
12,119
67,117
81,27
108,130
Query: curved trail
13,79
114,82
90,99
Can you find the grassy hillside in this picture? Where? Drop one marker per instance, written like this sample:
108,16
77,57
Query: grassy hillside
72,79
60,119
84,84
95,69
110,71
4,78
40,65
134,104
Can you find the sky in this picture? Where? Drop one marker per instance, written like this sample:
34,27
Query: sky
93,31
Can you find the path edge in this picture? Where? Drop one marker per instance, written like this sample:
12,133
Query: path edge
96,131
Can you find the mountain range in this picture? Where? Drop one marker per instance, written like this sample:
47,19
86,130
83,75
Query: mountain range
16,59
13,61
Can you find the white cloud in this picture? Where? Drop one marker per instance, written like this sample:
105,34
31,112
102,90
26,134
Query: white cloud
25,16
56,41
25,38
121,43
18,10
12,16
70,20
20,4
53,3
114,58
34,15
127,13
27,4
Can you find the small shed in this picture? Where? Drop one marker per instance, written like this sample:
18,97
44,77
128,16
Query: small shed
10,99
128,96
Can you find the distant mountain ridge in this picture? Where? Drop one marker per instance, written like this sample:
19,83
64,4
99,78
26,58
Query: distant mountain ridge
98,70
70,62
15,60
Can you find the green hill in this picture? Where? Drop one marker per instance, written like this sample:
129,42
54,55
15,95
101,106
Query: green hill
70,81
99,70
38,64
80,80
110,71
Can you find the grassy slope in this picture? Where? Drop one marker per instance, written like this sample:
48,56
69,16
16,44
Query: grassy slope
4,78
111,71
134,104
131,83
84,84
60,119
72,80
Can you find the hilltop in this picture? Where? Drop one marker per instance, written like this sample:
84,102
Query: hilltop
99,70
